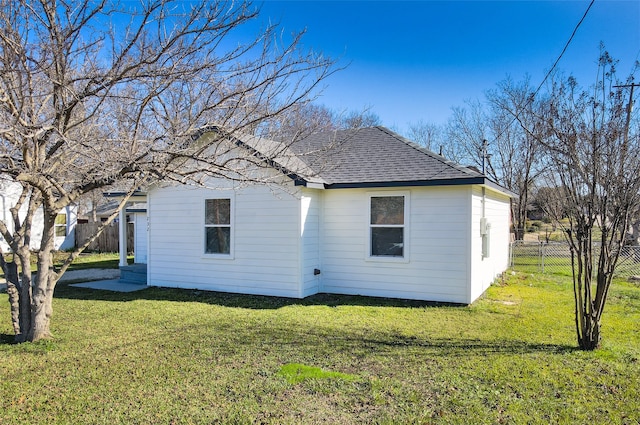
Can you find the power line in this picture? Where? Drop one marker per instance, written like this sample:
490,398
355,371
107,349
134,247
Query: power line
566,46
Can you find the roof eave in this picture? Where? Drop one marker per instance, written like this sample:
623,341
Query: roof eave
306,182
136,196
480,180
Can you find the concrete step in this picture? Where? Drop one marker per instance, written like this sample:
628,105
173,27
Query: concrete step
134,274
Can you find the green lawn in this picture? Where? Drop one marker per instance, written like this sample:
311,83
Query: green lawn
107,260
175,356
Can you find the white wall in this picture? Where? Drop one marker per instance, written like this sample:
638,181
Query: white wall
280,237
140,237
10,192
437,267
497,212
69,241
265,235
310,241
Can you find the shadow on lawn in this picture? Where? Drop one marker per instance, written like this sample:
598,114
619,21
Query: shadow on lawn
325,340
322,336
226,299
465,346
7,339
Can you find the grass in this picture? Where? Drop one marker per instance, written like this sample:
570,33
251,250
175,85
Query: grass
296,373
188,357
90,260
87,260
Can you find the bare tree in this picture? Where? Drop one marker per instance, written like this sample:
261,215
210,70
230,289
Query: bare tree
359,119
465,131
426,134
549,202
594,156
633,236
298,122
308,118
514,126
94,93
498,137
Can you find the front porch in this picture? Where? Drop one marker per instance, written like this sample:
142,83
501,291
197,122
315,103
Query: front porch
103,279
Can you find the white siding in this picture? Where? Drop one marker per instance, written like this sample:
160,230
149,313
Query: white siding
265,234
497,212
280,238
438,265
140,245
9,194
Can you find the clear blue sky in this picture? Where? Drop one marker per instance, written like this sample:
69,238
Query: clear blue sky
414,60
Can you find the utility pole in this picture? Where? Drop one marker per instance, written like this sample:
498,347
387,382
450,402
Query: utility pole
485,155
629,107
625,145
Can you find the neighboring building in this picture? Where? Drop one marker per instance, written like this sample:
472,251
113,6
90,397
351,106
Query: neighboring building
65,221
375,215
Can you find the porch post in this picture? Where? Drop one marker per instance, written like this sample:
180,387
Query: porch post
122,234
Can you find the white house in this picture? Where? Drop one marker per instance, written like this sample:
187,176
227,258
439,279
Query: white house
386,218
65,221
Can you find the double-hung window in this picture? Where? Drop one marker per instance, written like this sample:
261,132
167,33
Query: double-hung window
217,225
60,226
387,225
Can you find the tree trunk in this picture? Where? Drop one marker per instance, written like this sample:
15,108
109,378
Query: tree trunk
589,339
10,270
518,222
43,285
635,231
19,291
24,256
41,309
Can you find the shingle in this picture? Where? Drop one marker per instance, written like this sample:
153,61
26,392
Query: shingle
375,155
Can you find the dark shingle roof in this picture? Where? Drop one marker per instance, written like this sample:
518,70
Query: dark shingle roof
375,157
365,157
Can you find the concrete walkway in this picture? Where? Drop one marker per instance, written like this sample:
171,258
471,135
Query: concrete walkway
90,275
104,279
110,285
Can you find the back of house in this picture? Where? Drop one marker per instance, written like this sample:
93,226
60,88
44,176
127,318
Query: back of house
372,215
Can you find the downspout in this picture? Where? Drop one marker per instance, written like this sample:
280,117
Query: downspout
484,226
484,194
300,229
484,201
148,236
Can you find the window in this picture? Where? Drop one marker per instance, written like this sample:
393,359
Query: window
217,223
387,226
60,226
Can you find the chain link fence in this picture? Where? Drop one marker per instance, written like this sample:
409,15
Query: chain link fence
555,257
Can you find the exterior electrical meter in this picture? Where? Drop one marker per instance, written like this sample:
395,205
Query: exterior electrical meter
485,232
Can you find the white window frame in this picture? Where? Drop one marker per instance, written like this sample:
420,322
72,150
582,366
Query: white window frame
406,226
57,226
231,226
